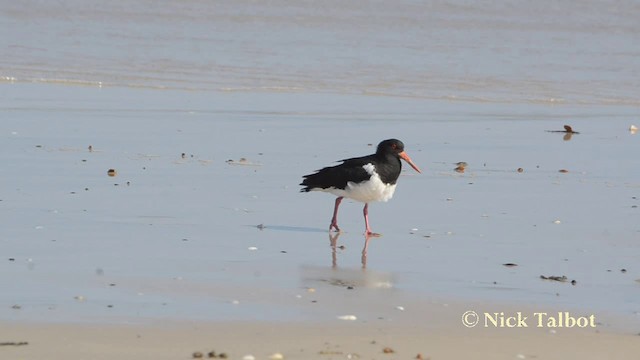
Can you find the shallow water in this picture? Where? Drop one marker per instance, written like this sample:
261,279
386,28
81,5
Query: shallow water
521,52
291,88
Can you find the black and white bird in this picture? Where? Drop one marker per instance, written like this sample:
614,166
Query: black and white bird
364,179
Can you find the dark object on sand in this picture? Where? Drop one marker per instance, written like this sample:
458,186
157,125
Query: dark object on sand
567,130
510,264
460,167
554,278
112,172
14,343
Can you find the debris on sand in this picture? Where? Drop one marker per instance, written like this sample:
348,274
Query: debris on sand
14,343
460,167
242,161
633,129
509,264
567,130
112,172
330,352
555,278
388,350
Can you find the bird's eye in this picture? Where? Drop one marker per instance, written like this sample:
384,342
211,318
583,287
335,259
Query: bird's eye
394,146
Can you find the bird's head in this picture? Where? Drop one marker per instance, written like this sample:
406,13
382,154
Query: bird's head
396,147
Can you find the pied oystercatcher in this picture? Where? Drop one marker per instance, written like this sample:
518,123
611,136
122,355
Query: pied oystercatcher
365,179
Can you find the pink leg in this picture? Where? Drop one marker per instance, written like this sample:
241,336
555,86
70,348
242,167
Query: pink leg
365,211
334,220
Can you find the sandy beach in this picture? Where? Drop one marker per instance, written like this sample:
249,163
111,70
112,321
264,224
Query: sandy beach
151,156
308,341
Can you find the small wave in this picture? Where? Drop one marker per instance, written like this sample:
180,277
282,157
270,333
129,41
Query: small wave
490,97
76,82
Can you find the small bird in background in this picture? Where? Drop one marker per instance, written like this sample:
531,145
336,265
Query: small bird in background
364,179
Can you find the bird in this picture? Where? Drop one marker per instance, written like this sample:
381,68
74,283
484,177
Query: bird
363,179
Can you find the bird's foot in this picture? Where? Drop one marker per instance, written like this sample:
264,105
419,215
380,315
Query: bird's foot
334,226
370,233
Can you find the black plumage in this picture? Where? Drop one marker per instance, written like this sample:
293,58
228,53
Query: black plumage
367,178
386,162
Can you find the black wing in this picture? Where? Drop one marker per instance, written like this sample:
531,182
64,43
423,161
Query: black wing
351,170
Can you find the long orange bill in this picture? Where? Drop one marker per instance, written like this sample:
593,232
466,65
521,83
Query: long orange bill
406,158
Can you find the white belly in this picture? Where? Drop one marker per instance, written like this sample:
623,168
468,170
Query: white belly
372,190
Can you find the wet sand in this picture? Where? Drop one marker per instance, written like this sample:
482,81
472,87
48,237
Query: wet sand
182,253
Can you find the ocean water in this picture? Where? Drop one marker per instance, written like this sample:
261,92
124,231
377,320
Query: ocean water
545,52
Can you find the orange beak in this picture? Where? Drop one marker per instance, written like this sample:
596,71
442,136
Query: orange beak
403,155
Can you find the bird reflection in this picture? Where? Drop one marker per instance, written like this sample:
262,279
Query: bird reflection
333,241
346,276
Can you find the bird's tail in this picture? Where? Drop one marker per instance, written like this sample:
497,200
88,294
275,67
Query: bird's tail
313,181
